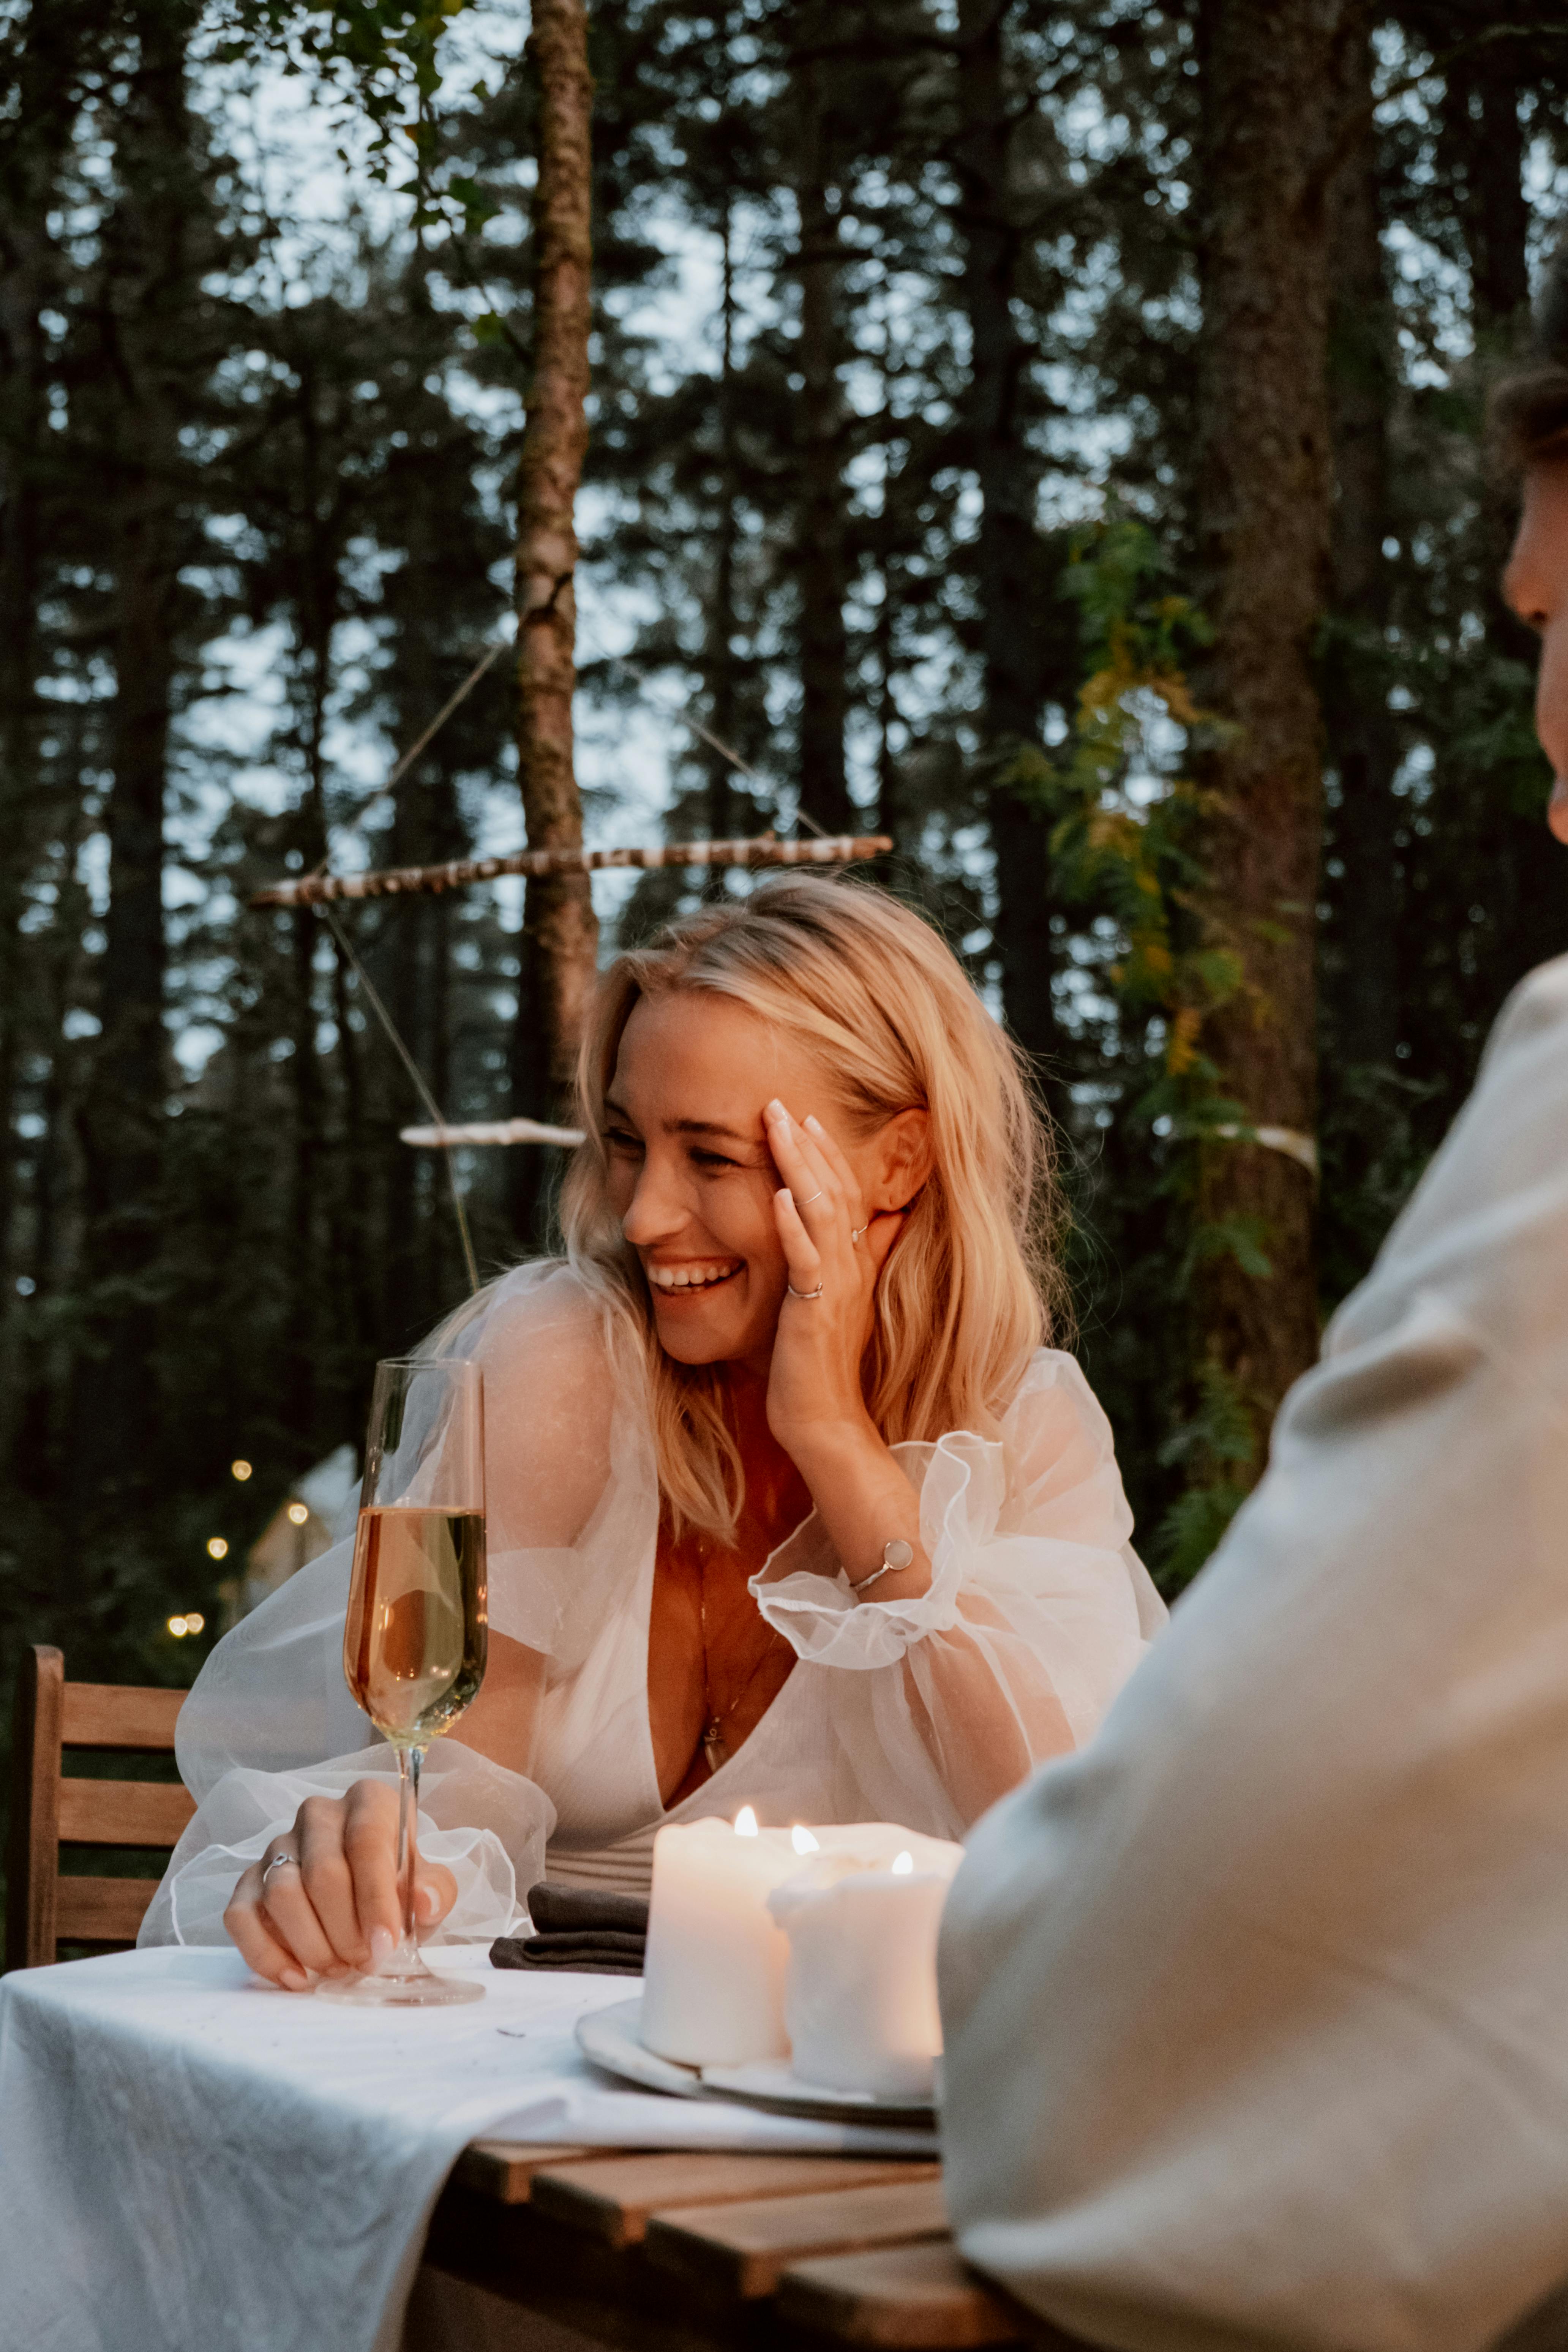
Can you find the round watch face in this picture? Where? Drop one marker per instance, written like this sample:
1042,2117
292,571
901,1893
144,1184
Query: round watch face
898,1554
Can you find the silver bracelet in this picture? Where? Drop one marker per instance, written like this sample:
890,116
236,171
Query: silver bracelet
895,1555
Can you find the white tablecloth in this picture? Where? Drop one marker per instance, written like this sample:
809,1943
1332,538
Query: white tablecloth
190,2160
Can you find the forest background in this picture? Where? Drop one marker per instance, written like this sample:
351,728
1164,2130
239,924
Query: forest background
1050,435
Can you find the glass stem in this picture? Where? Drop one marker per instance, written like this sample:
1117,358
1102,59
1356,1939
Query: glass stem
408,1763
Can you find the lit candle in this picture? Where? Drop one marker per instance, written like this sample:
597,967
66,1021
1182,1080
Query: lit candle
861,1916
713,1976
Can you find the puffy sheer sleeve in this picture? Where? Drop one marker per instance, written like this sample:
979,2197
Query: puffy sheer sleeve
271,1721
1037,1610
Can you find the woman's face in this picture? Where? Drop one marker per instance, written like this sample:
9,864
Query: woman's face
1536,585
691,1174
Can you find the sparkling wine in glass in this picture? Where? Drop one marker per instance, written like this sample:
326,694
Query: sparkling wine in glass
413,1640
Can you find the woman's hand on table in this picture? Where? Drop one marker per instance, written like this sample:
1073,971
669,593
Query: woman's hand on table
334,1907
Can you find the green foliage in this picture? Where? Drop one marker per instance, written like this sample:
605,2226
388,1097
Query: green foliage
1193,1527
1126,838
382,59
1216,1450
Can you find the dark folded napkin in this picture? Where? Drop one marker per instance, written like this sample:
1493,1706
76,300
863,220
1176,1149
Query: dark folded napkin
594,1956
600,1934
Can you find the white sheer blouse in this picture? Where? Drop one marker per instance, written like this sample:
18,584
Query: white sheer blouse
915,1711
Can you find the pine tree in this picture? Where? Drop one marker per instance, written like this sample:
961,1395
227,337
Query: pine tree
1271,121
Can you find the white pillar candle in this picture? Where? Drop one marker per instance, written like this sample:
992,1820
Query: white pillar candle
860,2005
713,1976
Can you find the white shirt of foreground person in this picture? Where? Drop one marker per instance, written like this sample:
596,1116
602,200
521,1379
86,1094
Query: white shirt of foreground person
1257,2010
1037,1608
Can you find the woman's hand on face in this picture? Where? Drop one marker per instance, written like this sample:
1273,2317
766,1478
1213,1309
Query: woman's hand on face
334,1907
815,1397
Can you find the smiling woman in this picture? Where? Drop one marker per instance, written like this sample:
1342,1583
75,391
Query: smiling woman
789,1504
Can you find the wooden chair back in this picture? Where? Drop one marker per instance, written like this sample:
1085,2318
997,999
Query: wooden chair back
48,1809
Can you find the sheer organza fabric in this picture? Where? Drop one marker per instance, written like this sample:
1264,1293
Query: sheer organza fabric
921,1711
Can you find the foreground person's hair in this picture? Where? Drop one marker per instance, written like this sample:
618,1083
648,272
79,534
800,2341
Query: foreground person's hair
967,1294
1528,411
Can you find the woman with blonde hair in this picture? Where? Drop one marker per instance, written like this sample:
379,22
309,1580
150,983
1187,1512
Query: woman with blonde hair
790,1505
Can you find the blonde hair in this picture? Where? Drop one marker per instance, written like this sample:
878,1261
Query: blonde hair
967,1293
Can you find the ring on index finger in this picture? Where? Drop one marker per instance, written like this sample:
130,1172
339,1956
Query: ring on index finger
279,1862
811,1197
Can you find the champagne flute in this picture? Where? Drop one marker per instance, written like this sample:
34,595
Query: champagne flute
415,1637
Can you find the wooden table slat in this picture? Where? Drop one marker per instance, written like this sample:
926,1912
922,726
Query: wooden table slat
743,2248
504,2169
919,2298
613,2196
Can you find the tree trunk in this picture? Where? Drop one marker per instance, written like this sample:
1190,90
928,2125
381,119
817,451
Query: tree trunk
1484,91
889,781
560,939
1363,743
146,324
1271,74
1007,558
357,1192
718,635
821,548
47,54
23,296
314,629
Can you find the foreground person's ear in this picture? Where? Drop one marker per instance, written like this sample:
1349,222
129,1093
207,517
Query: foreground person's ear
1557,809
904,1161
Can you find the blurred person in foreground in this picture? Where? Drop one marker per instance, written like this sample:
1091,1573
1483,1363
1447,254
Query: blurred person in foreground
1256,2009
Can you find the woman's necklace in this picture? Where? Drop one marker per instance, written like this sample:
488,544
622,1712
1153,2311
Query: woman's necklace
714,1746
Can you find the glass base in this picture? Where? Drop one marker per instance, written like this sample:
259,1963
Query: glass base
418,1988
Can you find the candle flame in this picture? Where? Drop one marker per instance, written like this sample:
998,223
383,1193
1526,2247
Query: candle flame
745,1823
803,1840
904,1865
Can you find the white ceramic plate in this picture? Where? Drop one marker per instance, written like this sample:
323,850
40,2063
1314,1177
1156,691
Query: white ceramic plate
773,2083
609,2037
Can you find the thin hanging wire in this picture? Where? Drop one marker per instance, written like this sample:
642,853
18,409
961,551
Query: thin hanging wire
684,718
425,1096
406,762
389,1026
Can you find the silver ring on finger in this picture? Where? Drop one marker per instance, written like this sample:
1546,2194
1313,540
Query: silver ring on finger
803,1295
855,1234
810,1197
278,1863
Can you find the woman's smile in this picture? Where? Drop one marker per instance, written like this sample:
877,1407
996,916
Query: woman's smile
687,1278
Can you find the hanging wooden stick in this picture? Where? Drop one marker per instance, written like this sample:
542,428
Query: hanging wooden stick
491,1130
400,881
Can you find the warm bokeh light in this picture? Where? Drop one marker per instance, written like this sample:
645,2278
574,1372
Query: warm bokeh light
218,1547
178,1627
194,1621
240,1470
745,1823
299,1513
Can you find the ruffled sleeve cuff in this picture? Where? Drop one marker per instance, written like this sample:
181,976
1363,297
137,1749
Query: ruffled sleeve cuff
1032,1527
486,1826
804,1593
